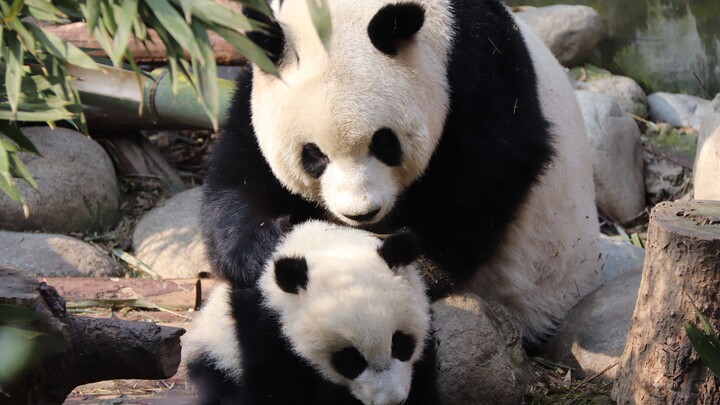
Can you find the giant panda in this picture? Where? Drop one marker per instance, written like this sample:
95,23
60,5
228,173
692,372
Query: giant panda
338,316
445,116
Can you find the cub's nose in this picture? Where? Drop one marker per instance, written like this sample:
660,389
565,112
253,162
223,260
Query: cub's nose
363,217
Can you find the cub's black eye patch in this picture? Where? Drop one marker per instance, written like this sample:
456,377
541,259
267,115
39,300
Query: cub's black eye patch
385,146
313,160
291,274
348,362
395,24
272,40
403,346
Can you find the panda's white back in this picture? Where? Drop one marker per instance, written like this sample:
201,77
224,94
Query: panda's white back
551,253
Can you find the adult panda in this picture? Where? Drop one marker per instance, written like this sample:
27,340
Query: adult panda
446,116
338,317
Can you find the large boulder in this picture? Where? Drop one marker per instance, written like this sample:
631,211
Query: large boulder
618,257
678,110
592,337
617,155
571,32
707,161
54,256
625,91
77,187
480,354
168,239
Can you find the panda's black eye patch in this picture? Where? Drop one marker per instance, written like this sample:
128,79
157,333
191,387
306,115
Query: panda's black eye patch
385,146
395,24
291,274
348,362
272,40
403,346
313,160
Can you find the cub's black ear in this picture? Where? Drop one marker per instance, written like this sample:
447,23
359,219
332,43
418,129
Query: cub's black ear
395,24
291,274
400,248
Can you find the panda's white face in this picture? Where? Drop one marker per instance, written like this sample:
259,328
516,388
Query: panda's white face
356,320
353,125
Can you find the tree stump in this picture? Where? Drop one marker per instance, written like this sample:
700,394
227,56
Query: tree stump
73,350
659,365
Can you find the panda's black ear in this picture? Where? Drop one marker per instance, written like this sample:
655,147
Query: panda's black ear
272,39
395,24
291,274
400,248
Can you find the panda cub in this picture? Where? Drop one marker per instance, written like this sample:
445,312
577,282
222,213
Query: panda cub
344,322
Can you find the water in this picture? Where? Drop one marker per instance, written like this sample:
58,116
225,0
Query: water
666,45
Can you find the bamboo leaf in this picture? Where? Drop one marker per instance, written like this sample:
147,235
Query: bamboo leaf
707,348
134,263
10,188
248,48
18,137
107,15
16,313
12,55
174,23
44,10
91,11
259,5
124,29
62,49
18,169
27,38
55,114
320,14
207,74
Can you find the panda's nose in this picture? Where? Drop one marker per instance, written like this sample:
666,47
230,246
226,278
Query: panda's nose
363,217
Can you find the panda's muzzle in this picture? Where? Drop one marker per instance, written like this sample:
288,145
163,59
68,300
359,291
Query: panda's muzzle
363,217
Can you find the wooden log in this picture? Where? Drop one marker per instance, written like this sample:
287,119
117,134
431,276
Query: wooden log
135,155
75,350
152,51
659,365
176,294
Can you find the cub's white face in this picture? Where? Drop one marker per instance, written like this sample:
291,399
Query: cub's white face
352,126
358,322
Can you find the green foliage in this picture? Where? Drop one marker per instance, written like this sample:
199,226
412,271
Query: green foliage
16,343
705,341
34,63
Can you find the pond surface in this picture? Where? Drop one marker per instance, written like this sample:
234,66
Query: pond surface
666,45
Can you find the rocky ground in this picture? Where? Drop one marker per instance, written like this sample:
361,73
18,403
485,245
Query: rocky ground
87,219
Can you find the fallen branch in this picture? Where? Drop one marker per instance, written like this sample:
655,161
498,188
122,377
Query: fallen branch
73,350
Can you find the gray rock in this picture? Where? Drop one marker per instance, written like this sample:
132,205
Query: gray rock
707,161
78,190
625,91
571,32
594,333
168,240
54,256
617,155
665,179
619,257
678,110
479,351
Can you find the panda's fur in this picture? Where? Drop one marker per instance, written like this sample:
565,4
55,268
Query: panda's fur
328,295
466,131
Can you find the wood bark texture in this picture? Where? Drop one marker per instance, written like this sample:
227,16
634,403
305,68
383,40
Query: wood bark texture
175,294
76,350
682,262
